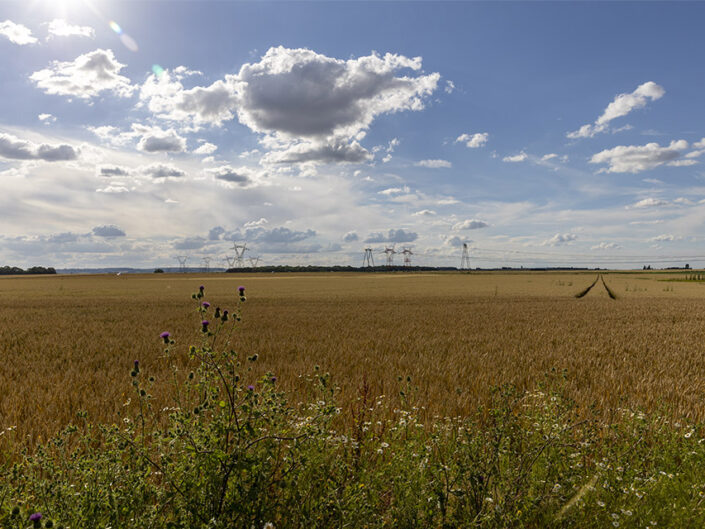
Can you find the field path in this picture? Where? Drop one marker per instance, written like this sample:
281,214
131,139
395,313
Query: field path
598,289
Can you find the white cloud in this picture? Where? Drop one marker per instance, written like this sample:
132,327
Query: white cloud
14,148
666,237
424,213
560,239
162,171
111,171
699,144
521,157
46,118
394,191
682,163
455,241
450,87
393,235
237,176
351,236
434,164
334,151
473,141
606,246
206,148
113,189
547,157
470,224
17,33
157,140
622,105
255,223
85,77
60,28
637,158
649,203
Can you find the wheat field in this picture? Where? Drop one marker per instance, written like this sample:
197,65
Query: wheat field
68,343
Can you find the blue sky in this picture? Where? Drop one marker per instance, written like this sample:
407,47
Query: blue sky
538,133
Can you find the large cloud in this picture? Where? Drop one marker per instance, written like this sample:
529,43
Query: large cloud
310,107
637,158
622,105
17,33
14,148
85,77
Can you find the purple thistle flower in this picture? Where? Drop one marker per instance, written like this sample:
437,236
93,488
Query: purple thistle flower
251,387
35,517
201,288
165,336
241,290
205,304
274,379
205,324
137,365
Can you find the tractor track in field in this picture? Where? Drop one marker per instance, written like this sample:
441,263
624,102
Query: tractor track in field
598,279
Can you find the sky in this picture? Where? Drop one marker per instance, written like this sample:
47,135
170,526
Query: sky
537,133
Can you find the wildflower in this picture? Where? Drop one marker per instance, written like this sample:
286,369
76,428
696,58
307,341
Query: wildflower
205,324
201,289
224,318
273,379
205,304
136,369
36,519
165,336
217,313
241,290
250,387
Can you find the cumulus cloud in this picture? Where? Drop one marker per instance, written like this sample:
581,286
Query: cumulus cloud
110,171
638,158
335,151
394,191
279,235
560,239
108,231
549,156
393,235
46,118
157,140
190,243
206,148
85,77
606,246
455,241
17,33
162,170
434,164
239,176
113,189
424,213
470,224
60,28
255,223
649,203
666,237
521,157
351,236
622,105
215,233
14,148
473,141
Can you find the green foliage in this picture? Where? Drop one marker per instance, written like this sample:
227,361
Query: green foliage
34,270
233,452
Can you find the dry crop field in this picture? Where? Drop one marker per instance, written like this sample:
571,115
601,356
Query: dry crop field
68,342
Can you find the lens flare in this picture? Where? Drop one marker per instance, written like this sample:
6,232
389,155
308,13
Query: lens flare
115,27
157,70
129,42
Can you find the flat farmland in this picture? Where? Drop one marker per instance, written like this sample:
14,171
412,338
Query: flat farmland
68,343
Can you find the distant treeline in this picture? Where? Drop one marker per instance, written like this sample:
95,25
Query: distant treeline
311,268
15,270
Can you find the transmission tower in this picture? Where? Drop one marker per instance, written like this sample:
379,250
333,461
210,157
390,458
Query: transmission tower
407,256
240,250
368,260
390,255
230,261
182,262
254,261
465,259
206,264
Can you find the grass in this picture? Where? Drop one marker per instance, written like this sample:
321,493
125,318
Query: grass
208,438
